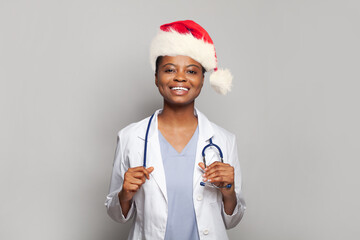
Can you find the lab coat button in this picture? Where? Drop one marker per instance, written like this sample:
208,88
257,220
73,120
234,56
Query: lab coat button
206,232
199,198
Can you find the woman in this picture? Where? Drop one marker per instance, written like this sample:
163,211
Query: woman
159,175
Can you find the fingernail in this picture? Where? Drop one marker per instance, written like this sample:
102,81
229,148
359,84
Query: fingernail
204,180
204,175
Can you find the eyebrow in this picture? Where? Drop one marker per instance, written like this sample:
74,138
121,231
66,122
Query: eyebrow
186,66
168,64
193,65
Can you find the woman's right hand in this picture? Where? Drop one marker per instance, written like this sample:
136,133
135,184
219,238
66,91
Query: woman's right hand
134,178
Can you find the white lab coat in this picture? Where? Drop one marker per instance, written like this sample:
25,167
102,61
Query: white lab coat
149,204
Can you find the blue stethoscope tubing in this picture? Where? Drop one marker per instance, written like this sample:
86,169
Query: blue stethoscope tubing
146,140
203,151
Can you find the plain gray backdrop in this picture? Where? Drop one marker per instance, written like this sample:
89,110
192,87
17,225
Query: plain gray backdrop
74,72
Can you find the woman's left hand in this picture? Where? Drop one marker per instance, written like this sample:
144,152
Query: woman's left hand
220,174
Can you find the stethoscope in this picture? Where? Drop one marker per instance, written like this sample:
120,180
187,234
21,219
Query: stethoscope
211,144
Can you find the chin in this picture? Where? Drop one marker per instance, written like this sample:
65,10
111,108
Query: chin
179,103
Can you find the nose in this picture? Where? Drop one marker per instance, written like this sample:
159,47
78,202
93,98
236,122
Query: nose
180,77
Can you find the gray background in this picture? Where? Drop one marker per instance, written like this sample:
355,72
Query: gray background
74,72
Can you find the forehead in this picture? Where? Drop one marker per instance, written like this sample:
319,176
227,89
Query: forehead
179,60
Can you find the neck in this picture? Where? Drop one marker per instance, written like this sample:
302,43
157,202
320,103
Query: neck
178,116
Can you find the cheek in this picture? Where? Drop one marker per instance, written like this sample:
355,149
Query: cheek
199,82
162,85
162,80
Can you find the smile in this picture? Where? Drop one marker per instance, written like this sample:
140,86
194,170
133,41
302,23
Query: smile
179,88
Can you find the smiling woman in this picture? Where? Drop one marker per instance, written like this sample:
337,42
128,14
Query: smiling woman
179,79
178,196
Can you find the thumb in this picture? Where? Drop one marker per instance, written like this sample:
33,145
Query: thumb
150,169
202,165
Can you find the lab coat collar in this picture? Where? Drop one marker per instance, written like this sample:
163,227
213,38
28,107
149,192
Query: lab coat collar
205,128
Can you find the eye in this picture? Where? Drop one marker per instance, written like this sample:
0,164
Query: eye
192,72
169,70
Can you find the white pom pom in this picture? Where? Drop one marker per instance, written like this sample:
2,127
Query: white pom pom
221,81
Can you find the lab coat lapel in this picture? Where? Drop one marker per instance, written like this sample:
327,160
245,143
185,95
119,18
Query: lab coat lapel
205,133
153,157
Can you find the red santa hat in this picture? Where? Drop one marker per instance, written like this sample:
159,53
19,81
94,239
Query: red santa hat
188,38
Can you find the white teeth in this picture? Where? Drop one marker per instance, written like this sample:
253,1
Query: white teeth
180,88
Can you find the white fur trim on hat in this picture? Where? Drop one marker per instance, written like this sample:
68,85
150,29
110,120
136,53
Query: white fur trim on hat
221,81
173,43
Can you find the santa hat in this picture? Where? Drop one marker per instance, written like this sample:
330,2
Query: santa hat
189,39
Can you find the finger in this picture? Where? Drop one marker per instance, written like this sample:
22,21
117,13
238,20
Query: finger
137,174
222,176
136,169
214,169
220,171
220,179
216,164
148,171
137,181
133,184
218,168
139,171
216,174
132,187
202,165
